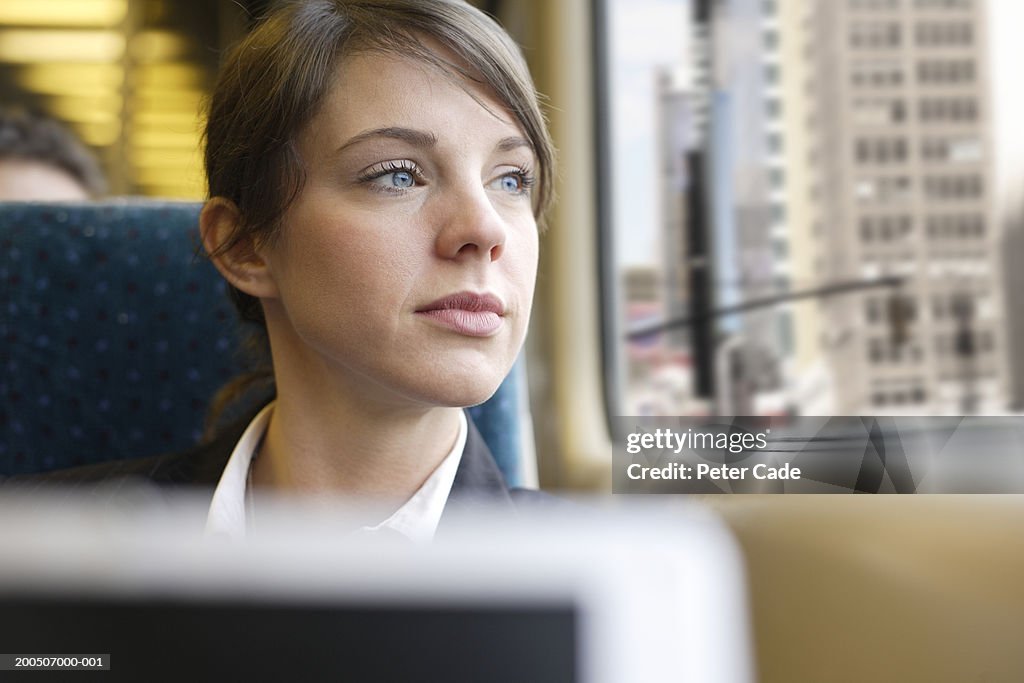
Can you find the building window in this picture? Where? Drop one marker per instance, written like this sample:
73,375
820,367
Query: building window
873,310
953,188
876,351
943,4
875,35
880,150
945,71
954,150
874,4
867,229
887,190
948,110
878,111
877,73
943,34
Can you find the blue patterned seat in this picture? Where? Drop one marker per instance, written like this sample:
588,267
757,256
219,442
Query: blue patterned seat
116,334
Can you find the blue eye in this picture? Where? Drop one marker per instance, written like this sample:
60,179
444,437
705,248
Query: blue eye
516,182
512,184
402,179
393,176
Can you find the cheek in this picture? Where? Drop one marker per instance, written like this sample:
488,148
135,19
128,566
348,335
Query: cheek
523,258
357,258
341,296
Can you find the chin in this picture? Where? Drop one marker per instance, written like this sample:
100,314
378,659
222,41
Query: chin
458,378
460,389
463,395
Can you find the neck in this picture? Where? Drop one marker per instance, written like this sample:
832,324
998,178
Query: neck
335,431
323,449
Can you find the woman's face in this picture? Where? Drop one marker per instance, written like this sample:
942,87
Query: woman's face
405,269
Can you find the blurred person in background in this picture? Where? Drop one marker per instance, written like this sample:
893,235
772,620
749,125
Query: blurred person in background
40,160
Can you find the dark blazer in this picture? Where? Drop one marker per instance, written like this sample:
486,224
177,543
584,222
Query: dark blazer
478,481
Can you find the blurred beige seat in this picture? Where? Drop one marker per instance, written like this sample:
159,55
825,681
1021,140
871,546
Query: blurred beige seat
880,588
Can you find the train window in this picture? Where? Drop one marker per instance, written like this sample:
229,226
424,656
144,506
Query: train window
647,77
738,229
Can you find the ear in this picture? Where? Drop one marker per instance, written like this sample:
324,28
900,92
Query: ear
241,264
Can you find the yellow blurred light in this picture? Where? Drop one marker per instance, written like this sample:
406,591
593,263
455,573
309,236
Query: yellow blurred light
98,134
99,13
184,104
70,79
44,45
152,175
169,76
163,138
95,108
86,116
165,158
155,45
190,186
180,101
150,156
177,120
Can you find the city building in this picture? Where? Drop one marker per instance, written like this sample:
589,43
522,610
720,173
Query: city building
898,182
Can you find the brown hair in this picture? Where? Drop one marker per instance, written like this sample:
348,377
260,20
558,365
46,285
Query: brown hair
29,136
273,82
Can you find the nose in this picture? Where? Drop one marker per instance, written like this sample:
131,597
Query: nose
471,227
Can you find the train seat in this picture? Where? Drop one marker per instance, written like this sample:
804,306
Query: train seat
117,332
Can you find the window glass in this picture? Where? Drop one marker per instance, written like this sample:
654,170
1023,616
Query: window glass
737,200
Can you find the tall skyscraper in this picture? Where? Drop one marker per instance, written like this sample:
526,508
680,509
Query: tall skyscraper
788,44
675,138
899,181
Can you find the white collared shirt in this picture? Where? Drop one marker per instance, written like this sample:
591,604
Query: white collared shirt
417,519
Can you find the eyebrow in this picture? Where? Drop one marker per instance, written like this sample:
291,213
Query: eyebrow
511,143
419,138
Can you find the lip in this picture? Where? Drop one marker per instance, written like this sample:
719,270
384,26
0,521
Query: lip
468,313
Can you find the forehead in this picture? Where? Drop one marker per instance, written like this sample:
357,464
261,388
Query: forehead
381,89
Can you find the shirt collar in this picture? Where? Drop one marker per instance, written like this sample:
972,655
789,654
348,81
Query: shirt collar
417,519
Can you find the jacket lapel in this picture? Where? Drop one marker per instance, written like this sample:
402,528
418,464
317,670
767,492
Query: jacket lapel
478,481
